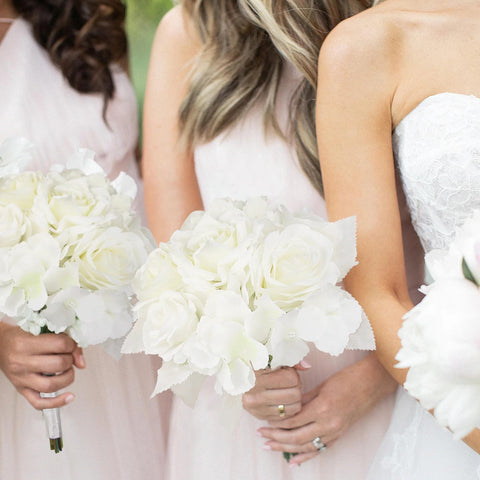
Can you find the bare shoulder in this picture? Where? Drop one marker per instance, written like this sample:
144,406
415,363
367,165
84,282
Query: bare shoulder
364,48
177,31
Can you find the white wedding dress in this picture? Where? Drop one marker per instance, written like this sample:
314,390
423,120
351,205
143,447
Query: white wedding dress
437,149
112,431
204,443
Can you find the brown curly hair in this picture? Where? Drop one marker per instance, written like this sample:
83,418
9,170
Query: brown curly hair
83,38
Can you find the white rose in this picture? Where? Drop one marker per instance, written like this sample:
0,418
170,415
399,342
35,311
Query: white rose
342,234
109,258
291,264
159,273
12,225
440,344
168,322
20,189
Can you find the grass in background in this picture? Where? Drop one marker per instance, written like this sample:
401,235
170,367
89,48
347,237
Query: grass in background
143,17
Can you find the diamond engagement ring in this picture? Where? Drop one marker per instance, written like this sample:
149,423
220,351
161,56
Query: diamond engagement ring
281,410
318,444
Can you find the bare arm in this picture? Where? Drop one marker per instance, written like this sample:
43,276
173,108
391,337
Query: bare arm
171,189
359,70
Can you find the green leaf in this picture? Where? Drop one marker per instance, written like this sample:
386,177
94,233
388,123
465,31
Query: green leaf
467,273
270,358
287,456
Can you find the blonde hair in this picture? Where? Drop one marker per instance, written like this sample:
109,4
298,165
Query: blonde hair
245,43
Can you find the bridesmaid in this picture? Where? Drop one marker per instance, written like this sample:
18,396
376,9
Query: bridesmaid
227,115
62,87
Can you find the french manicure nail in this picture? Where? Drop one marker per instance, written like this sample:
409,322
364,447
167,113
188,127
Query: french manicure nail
305,364
293,465
267,447
69,399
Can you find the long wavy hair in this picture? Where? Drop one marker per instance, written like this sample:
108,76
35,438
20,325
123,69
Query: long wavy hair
245,43
82,37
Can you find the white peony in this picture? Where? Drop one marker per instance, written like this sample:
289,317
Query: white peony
70,198
440,344
212,247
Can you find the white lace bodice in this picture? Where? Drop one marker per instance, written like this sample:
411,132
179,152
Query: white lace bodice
437,148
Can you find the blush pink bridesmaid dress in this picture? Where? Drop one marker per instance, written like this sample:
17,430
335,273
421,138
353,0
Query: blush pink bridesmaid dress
113,430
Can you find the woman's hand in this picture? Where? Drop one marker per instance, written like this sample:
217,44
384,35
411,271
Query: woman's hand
330,409
276,394
25,359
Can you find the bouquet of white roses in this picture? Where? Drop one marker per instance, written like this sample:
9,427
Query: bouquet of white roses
441,335
70,245
242,286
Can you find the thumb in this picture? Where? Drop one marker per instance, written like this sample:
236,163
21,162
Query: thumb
78,358
303,365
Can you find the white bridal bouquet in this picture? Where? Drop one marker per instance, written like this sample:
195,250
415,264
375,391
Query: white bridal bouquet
242,286
70,245
441,335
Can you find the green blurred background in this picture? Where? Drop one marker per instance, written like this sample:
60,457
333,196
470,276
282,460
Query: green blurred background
143,17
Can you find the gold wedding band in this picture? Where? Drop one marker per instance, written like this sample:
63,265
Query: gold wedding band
281,410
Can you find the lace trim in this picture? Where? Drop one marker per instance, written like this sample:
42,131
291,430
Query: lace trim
399,464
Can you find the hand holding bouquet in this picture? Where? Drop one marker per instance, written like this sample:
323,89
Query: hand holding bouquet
242,286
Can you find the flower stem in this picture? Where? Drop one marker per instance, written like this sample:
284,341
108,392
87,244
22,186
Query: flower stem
56,444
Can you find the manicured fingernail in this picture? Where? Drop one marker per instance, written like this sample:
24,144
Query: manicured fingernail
305,364
267,447
69,399
259,433
293,465
81,361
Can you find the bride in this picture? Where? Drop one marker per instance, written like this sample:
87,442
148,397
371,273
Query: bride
399,87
